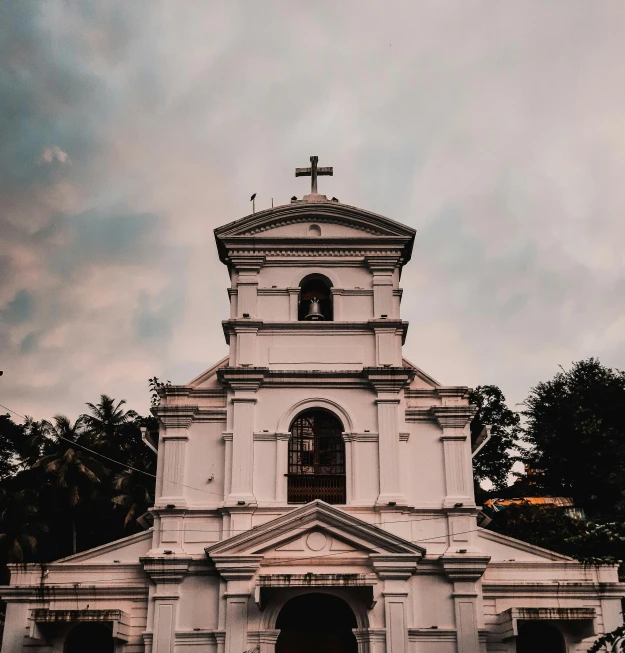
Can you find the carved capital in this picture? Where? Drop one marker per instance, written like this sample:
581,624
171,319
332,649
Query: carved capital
394,566
169,569
453,418
249,263
388,379
246,379
383,263
236,567
469,567
179,417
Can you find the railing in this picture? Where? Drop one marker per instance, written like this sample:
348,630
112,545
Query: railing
303,488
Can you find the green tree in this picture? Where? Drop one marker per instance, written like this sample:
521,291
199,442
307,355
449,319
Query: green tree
495,460
575,434
20,526
113,431
12,437
133,494
71,469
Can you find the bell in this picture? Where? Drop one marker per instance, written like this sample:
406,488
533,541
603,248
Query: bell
314,312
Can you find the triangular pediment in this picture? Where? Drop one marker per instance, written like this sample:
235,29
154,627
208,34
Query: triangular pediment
281,221
305,226
316,529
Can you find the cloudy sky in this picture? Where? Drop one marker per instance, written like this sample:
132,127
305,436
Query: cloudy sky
130,130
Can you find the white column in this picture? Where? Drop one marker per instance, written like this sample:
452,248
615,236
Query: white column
243,451
337,303
395,572
170,487
464,572
388,447
293,303
167,574
282,465
454,421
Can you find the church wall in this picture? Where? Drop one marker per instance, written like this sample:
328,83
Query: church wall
290,276
425,485
204,457
199,603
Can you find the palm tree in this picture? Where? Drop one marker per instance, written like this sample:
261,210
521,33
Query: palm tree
134,493
20,526
112,430
71,468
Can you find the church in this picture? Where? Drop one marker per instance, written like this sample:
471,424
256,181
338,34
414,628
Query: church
314,489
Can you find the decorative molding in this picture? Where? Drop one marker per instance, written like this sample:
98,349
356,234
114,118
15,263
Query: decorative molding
307,218
242,378
179,417
467,567
170,569
453,417
394,567
388,379
236,567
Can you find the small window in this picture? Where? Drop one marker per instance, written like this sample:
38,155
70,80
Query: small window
315,300
314,230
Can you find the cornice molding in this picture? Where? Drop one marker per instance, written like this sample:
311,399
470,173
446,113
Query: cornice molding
170,569
453,417
179,417
466,567
388,379
242,378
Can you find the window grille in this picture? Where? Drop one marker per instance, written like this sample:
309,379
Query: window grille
316,459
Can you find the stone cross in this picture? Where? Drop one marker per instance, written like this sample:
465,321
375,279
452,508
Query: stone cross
313,172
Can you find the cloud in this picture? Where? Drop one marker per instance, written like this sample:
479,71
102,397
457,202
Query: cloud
497,131
52,154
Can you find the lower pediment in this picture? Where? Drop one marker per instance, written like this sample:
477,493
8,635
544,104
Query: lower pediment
317,534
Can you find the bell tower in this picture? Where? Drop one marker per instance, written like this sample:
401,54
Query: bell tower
314,309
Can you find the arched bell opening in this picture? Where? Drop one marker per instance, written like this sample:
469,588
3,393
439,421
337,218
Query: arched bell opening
315,299
539,637
316,459
315,622
91,637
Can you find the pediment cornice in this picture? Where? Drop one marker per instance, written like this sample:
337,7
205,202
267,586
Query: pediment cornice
365,232
384,550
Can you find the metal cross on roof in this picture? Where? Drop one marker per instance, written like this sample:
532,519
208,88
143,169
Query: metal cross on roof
313,172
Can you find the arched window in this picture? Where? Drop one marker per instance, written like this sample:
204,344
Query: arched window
316,459
315,287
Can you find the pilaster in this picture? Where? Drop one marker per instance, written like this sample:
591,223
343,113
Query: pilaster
167,574
395,570
247,268
383,270
282,465
387,383
465,571
237,571
243,384
293,303
172,453
454,420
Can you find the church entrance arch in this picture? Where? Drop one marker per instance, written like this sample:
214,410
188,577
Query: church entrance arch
316,459
539,637
316,622
91,637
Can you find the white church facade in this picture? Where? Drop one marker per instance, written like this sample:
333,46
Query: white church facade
314,488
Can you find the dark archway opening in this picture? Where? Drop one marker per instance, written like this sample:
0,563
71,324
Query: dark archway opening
315,623
539,637
315,286
316,459
90,638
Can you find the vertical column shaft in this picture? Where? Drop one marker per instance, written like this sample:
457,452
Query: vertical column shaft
243,450
388,444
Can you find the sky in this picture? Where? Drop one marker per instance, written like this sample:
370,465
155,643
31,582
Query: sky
130,130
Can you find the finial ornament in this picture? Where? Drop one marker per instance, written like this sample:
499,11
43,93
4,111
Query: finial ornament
313,172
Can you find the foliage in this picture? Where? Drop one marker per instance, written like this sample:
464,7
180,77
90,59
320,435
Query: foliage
495,460
575,434
155,384
613,641
67,486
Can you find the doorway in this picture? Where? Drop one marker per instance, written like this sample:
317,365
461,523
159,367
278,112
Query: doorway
90,637
314,623
539,637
